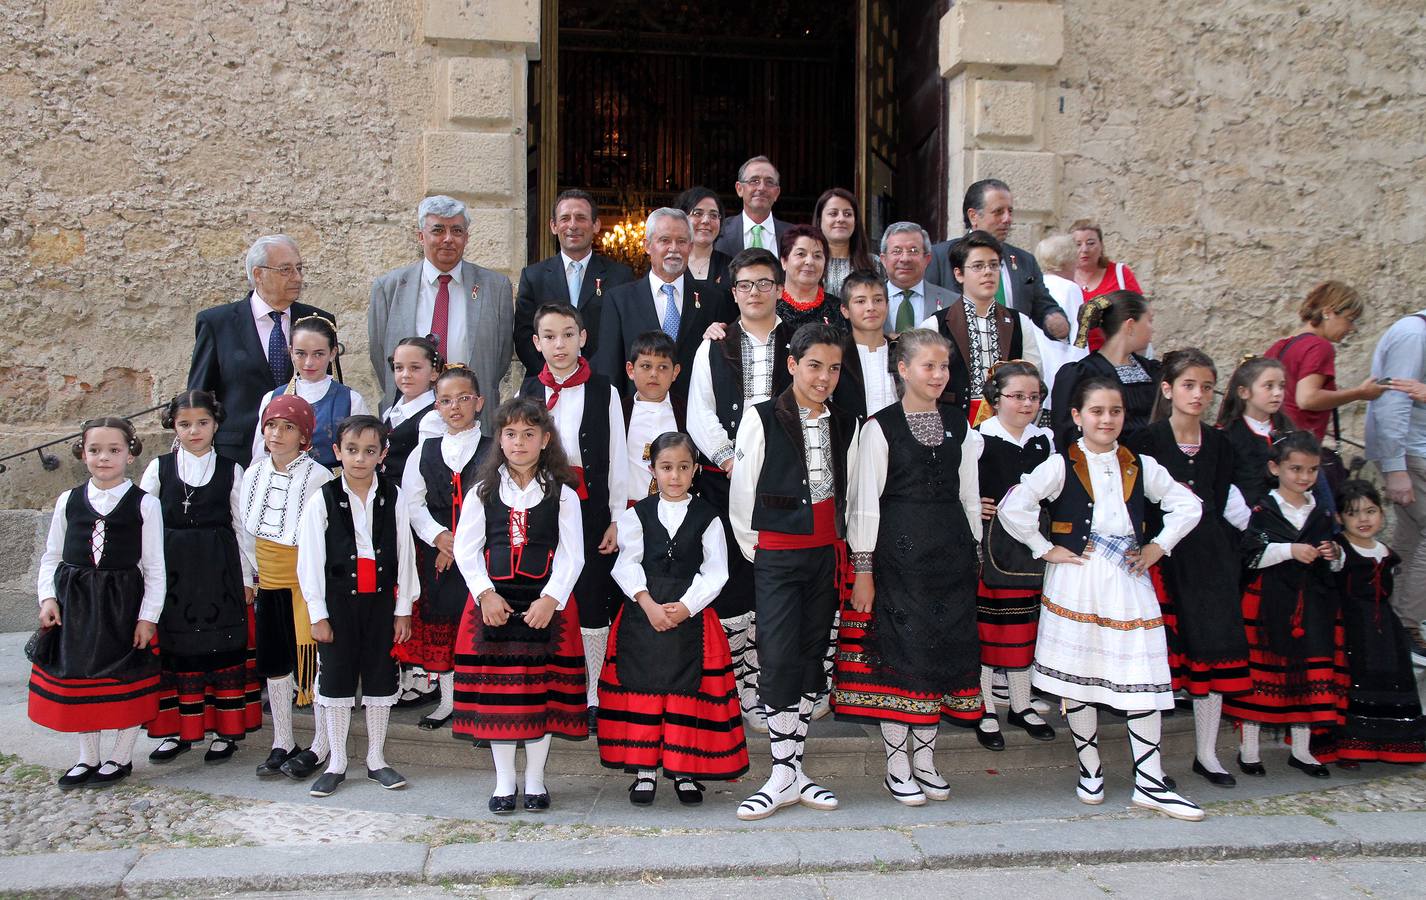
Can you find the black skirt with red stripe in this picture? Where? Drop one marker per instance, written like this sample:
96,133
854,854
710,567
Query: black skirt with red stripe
1196,667
226,702
1007,620
689,735
865,694
435,617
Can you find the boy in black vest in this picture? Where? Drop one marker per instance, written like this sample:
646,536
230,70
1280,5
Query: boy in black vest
793,464
356,564
651,410
589,417
730,375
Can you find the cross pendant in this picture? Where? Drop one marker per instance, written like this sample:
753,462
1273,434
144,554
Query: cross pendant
185,506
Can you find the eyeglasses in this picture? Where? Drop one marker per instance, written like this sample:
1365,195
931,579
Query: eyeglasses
439,231
978,267
759,181
1022,398
762,285
712,214
909,252
285,271
461,400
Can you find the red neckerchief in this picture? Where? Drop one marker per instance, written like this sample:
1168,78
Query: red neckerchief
801,306
580,376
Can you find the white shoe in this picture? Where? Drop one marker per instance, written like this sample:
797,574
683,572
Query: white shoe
1090,790
907,793
1168,803
932,784
767,801
755,719
822,708
813,796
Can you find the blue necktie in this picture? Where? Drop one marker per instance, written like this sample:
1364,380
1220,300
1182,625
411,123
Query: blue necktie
279,359
670,313
576,270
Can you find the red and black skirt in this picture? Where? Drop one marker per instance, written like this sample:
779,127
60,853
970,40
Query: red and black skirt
866,692
1007,620
226,702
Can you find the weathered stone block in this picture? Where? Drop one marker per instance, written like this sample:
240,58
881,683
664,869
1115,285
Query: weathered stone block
492,21
481,91
1005,109
492,239
1009,33
1032,176
466,164
56,246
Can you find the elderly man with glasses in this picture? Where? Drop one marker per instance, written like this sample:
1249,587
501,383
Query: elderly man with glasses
241,350
758,186
905,253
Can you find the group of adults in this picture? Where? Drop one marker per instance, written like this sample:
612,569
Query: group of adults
241,353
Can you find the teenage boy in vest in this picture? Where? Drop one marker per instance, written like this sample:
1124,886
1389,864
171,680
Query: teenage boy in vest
589,417
730,375
356,564
787,502
651,409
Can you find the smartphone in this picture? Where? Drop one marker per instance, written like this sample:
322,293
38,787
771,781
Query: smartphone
1383,381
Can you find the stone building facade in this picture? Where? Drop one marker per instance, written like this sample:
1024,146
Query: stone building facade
1235,152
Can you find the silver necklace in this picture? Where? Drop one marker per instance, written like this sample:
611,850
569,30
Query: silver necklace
188,491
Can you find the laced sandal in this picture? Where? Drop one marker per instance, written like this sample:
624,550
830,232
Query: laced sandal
771,798
1157,794
932,784
1090,786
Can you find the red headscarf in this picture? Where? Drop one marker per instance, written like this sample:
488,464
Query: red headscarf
295,410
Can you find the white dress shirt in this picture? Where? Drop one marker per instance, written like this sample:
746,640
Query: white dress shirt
918,304
456,451
1019,510
656,285
704,426
995,428
1296,516
312,550
568,414
869,479
565,261
455,347
262,316
312,392
629,569
196,471
568,560
769,234
878,385
273,500
647,420
150,544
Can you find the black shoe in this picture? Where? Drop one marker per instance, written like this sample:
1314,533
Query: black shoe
387,777
301,765
102,778
688,791
419,699
593,720
482,744
990,740
642,791
537,802
326,784
273,764
1251,768
1221,779
430,723
221,750
1316,770
78,774
168,749
502,805
1040,732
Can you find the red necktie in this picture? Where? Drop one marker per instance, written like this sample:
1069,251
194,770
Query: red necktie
440,318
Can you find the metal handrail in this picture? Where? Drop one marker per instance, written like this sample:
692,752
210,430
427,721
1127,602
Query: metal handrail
49,461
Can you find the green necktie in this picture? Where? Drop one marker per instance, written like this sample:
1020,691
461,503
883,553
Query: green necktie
905,314
757,237
1000,286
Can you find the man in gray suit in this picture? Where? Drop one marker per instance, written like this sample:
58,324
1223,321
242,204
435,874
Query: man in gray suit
466,309
758,186
911,299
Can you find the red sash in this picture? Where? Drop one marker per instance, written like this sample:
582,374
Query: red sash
366,575
581,488
824,534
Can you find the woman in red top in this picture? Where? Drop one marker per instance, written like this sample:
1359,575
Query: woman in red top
1328,315
1096,274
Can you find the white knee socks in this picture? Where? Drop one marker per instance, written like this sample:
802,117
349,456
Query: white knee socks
89,748
279,697
536,754
988,722
339,723
448,696
1084,729
596,642
504,755
1302,745
124,745
377,718
1020,697
1207,714
321,744
1248,750
736,630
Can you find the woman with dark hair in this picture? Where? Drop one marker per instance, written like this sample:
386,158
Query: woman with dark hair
705,213
803,251
840,220
1128,326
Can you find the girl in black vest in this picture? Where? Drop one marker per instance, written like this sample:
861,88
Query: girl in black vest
667,697
519,658
1128,326
101,590
1101,640
1251,417
415,364
206,628
435,485
908,640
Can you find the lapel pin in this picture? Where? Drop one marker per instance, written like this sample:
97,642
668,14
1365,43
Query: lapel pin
1013,264
599,287
475,292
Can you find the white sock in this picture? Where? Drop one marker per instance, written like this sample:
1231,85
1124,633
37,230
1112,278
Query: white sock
377,718
339,723
1302,745
895,739
279,697
596,642
89,748
124,745
736,631
503,753
1207,714
750,656
1146,731
536,753
829,659
786,745
1248,750
988,724
1020,697
1084,730
448,696
321,745
923,756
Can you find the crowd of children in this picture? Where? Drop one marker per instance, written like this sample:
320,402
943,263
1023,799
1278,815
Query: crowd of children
878,514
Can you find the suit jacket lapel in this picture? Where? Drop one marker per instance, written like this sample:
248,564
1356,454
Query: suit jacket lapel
690,325
470,286
593,272
246,326
408,300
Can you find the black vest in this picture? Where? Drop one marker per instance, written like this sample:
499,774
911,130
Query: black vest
671,562
784,498
593,447
402,440
916,473
1003,462
341,537
123,530
1072,512
208,505
440,480
725,369
542,535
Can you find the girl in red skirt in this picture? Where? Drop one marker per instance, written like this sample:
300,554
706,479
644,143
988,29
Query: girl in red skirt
519,659
436,479
1008,618
209,685
667,695
1292,610
101,590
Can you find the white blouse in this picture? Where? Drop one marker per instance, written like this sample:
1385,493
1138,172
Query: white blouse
312,392
398,413
1019,511
995,428
568,413
196,471
312,551
869,478
712,574
568,560
268,508
1297,517
647,420
150,544
456,452
878,385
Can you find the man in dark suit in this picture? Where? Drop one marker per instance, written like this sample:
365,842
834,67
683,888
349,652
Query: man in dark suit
988,207
758,186
668,300
241,349
576,275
